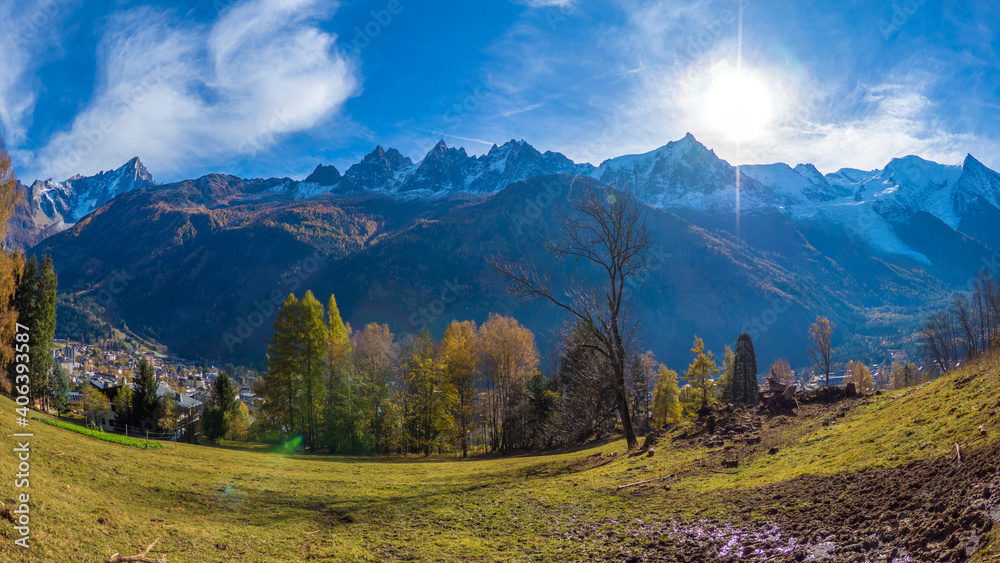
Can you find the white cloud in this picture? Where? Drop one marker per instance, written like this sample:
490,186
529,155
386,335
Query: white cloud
659,58
545,3
179,94
24,33
895,120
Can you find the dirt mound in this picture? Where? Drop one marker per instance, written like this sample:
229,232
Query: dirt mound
933,510
937,509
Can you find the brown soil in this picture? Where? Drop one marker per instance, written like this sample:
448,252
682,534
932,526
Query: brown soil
938,509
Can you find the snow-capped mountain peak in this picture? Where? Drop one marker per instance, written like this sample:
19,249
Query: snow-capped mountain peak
49,206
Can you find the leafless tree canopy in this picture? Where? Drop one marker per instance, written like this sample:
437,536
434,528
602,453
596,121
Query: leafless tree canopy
966,329
820,348
603,229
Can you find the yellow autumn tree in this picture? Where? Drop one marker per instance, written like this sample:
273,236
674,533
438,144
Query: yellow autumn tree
458,354
11,262
862,378
507,358
666,398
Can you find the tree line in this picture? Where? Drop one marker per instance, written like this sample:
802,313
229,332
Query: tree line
28,298
477,389
365,391
966,329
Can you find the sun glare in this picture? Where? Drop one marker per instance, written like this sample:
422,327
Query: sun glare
738,105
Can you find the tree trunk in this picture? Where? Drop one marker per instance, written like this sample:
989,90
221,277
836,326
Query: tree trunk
465,440
630,438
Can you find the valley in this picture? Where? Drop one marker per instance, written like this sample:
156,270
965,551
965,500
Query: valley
875,250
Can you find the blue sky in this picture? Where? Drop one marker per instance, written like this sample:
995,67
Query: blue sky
274,87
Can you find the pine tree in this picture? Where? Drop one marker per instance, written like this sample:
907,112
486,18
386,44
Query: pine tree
280,383
216,417
59,389
313,346
45,330
666,398
25,303
342,411
123,405
700,373
35,302
726,380
223,394
145,401
641,371
745,371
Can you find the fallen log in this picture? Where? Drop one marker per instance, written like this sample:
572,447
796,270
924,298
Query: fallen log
643,482
141,557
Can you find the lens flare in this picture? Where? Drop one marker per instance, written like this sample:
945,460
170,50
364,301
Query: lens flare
230,497
289,446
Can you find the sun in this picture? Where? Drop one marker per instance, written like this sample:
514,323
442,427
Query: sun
738,105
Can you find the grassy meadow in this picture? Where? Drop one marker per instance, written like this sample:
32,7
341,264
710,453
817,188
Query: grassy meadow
92,498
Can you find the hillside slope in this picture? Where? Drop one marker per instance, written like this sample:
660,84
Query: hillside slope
200,266
882,477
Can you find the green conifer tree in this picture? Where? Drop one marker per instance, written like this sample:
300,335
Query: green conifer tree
145,401
313,346
745,371
280,382
701,372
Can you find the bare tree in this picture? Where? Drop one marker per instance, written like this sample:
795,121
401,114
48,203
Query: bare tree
782,372
820,350
605,228
939,341
588,408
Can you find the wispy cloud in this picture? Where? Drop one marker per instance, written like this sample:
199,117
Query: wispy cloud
24,35
180,94
659,58
545,3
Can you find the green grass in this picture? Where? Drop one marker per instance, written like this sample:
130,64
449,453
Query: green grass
106,436
93,498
